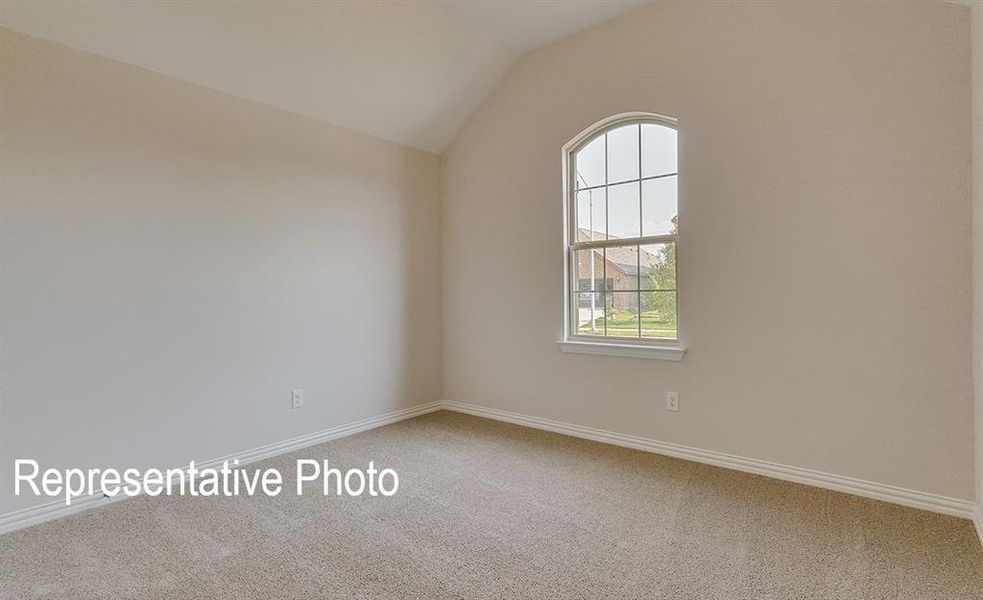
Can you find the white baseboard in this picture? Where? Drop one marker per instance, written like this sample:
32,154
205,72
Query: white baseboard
905,497
53,510
849,485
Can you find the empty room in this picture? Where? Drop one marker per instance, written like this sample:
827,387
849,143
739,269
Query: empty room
491,299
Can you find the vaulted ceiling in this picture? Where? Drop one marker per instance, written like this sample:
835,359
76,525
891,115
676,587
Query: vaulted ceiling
411,72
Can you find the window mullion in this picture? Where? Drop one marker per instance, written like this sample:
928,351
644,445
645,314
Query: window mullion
607,204
607,228
649,178
652,239
641,231
604,288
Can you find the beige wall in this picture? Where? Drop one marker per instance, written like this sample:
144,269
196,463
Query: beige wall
825,234
978,248
176,260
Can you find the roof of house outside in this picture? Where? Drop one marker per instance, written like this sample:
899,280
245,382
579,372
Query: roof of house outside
624,258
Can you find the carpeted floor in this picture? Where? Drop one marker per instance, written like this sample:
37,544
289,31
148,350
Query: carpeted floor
489,510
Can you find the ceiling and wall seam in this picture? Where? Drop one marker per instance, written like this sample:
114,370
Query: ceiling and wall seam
338,62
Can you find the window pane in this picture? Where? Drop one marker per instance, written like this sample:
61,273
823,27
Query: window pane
624,211
591,215
589,162
622,268
658,150
623,154
658,315
589,273
590,313
621,312
657,266
659,200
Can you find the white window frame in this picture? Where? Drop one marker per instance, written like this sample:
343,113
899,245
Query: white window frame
611,346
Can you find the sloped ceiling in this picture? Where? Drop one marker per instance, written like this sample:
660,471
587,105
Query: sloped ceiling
410,72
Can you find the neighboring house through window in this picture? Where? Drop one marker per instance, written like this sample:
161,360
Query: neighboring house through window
621,232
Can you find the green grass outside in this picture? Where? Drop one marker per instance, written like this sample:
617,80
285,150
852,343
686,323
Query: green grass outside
624,323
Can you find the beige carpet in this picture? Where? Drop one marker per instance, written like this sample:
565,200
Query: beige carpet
488,510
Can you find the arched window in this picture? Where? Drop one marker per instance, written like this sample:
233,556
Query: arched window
621,211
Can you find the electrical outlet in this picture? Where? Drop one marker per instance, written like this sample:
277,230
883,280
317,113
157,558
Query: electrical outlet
672,401
296,398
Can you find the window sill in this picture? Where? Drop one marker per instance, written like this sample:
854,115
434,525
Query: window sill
666,352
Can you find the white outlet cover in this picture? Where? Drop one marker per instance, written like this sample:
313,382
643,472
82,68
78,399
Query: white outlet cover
672,401
296,398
